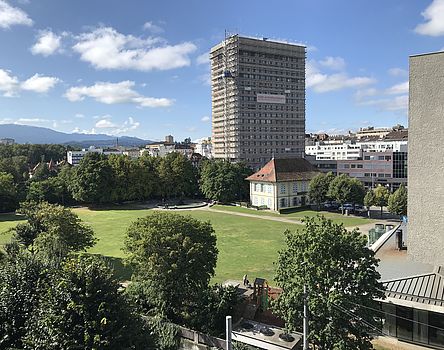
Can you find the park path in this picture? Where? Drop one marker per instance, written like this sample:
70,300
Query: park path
273,218
362,228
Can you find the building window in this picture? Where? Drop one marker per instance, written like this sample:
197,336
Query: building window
436,326
282,188
283,203
404,324
295,187
295,201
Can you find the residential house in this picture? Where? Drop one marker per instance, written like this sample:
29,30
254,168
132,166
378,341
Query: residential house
282,183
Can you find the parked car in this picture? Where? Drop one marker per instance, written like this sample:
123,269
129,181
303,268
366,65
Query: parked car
331,205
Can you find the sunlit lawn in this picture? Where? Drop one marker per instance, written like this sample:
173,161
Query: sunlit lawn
245,245
298,215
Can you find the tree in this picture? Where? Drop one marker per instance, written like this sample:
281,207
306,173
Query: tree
51,190
357,191
397,202
92,179
174,258
381,197
340,190
8,192
342,282
369,200
223,181
177,176
52,230
19,280
318,188
81,308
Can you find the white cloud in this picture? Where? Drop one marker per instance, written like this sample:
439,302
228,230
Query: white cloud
153,28
205,119
112,93
8,83
361,93
39,83
398,103
105,48
105,124
203,58
335,63
401,88
434,17
114,129
191,129
31,121
79,115
47,43
77,130
398,72
10,16
321,82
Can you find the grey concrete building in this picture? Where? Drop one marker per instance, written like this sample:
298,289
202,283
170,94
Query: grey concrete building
426,158
258,100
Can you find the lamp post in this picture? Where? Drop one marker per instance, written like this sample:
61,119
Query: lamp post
228,327
305,345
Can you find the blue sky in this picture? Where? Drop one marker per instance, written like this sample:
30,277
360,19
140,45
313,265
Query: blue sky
140,68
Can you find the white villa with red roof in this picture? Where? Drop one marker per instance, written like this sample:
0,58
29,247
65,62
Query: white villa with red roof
282,184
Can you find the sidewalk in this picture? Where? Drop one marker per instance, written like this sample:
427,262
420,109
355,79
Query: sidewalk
386,343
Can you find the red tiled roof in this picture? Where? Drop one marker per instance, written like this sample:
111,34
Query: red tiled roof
290,169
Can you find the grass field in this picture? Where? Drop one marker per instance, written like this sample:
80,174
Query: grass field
246,245
298,215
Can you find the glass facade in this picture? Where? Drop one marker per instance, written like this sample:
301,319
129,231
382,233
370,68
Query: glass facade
413,325
400,165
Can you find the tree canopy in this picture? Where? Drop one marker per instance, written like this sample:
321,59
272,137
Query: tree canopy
345,189
52,230
381,194
81,308
174,257
224,181
397,202
318,188
340,274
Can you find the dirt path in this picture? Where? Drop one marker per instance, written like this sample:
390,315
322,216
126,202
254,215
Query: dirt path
272,218
362,228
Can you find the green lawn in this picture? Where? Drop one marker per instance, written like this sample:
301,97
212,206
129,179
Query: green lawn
298,215
246,245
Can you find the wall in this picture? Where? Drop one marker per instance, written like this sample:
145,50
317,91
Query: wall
426,158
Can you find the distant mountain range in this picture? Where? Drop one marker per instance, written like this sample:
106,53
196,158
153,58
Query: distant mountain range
39,135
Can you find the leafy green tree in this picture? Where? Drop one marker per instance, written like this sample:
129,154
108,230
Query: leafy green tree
215,304
381,197
144,178
397,202
342,282
92,179
340,190
224,181
52,190
318,188
52,230
81,308
19,281
174,258
178,177
8,192
357,191
369,200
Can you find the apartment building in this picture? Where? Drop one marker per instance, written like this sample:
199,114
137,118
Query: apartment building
74,157
258,100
